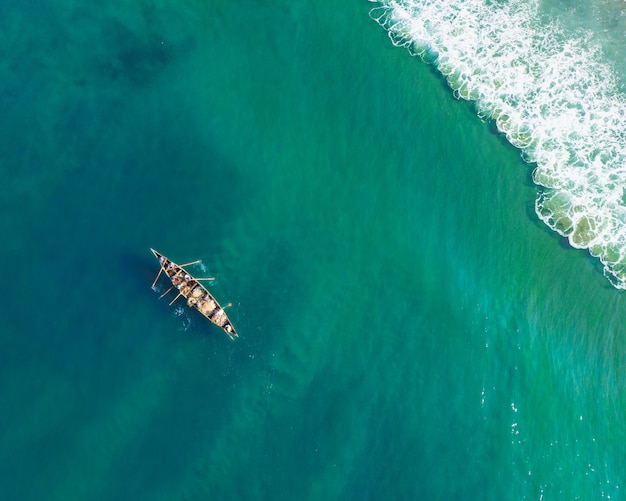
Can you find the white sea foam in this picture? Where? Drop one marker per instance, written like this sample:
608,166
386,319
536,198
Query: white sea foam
551,94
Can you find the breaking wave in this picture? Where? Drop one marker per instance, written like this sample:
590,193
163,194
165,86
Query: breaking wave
551,94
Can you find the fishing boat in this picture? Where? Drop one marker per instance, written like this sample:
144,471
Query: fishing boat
194,292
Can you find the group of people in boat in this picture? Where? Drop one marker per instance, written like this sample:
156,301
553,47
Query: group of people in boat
195,294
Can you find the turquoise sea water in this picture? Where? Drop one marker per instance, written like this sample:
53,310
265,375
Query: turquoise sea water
409,327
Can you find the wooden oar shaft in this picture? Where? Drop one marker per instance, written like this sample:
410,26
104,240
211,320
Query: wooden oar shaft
212,278
165,293
157,277
178,295
189,264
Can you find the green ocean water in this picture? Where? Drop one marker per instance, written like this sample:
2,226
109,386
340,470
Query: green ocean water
408,328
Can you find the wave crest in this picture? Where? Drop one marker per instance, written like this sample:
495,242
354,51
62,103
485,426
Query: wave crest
552,96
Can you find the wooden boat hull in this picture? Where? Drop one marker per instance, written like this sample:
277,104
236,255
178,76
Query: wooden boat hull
195,293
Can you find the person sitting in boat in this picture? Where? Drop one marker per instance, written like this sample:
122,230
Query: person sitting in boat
177,280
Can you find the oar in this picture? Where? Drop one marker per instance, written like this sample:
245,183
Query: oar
165,293
179,294
227,306
189,264
212,278
157,277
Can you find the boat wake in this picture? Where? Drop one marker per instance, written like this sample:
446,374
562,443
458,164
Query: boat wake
551,94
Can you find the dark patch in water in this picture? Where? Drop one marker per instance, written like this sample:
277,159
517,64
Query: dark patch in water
134,58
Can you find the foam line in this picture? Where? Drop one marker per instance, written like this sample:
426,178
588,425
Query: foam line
552,95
